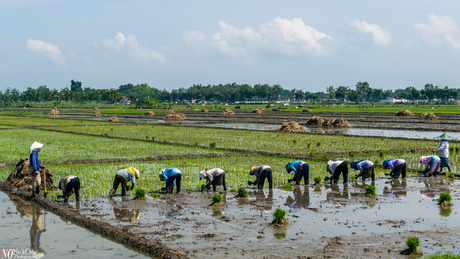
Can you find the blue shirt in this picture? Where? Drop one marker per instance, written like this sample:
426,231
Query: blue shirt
364,164
170,172
294,166
33,161
434,159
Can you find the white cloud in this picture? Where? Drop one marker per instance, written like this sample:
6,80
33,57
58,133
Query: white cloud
47,50
281,35
381,36
130,46
440,29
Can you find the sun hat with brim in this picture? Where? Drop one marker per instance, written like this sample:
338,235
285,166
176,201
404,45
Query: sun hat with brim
444,136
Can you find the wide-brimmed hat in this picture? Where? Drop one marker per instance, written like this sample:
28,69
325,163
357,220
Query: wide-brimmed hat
134,171
444,136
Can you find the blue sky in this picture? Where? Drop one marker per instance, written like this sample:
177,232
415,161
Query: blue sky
305,45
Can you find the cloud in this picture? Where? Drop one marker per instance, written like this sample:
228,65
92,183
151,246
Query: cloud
381,36
440,29
48,50
130,46
279,35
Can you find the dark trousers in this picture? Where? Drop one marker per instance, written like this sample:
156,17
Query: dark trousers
73,185
124,184
266,173
305,173
399,170
170,182
218,180
341,169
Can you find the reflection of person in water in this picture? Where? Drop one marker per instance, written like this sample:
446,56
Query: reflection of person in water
335,195
434,186
300,201
398,189
123,213
362,186
266,201
35,231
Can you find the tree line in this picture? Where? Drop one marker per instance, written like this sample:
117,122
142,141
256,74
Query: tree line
145,95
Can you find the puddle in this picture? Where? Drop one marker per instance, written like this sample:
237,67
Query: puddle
26,227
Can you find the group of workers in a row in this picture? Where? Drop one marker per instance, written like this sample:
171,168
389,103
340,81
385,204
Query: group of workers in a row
216,176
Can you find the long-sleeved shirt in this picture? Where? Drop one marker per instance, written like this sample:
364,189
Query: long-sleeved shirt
259,169
64,181
170,172
443,149
363,165
128,175
294,166
33,160
395,162
211,173
433,160
332,165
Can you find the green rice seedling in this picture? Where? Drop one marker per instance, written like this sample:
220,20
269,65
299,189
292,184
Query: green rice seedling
279,216
250,183
412,243
318,144
312,154
424,139
196,143
457,149
233,190
294,141
352,176
450,175
308,145
242,192
327,178
351,154
146,137
139,194
203,187
451,149
370,191
442,255
445,199
382,153
155,195
212,144
287,187
217,200
317,179
153,138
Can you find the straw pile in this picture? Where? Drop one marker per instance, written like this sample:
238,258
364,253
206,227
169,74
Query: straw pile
226,104
307,110
150,113
292,126
175,117
204,110
189,107
342,104
203,104
340,122
317,121
258,110
170,111
114,119
300,105
324,104
428,116
404,113
228,112
21,178
95,109
54,111
327,122
97,114
24,108
334,104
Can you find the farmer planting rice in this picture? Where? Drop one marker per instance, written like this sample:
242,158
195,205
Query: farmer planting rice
122,177
69,185
365,168
214,177
431,163
397,166
262,172
443,151
335,168
169,176
300,169
34,167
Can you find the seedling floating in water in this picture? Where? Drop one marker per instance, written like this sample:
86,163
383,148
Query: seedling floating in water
412,243
242,192
139,194
279,216
445,199
450,175
216,200
370,191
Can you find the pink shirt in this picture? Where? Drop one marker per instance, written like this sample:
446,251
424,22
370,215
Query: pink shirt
211,173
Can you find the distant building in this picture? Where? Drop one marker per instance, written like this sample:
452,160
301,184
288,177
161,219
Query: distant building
394,99
125,100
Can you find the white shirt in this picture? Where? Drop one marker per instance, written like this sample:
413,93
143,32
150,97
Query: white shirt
443,149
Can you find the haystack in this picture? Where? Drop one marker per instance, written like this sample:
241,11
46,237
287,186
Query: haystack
342,104
428,116
175,117
226,104
204,110
292,126
97,114
257,110
189,107
334,104
327,122
203,104
237,107
54,111
20,177
228,112
150,113
404,113
170,111
95,109
300,105
340,122
114,119
315,121
24,108
307,110
324,104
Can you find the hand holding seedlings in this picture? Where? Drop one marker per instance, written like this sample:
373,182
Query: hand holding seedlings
365,167
397,166
431,163
262,172
122,177
335,168
69,185
300,169
170,176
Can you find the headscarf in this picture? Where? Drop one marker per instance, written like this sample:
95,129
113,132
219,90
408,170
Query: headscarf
134,171
252,170
161,175
385,163
202,174
353,164
288,167
329,163
425,160
35,147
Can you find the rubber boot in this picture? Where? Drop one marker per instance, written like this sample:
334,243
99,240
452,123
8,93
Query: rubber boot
112,192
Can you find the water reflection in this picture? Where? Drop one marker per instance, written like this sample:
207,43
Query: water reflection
266,201
301,200
336,196
434,186
397,190
123,213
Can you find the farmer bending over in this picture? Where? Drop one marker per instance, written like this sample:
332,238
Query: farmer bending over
69,185
397,166
301,169
443,151
365,167
431,164
123,176
169,176
262,172
34,167
214,177
335,168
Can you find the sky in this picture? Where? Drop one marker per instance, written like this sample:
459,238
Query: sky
308,45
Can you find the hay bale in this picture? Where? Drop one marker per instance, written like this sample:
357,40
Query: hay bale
226,104
21,178
150,113
258,110
114,119
95,109
301,105
404,113
307,110
342,104
340,122
315,121
97,114
237,107
170,111
324,104
428,116
334,104
203,104
327,122
204,110
175,117
292,126
54,111
373,105
189,107
24,108
228,112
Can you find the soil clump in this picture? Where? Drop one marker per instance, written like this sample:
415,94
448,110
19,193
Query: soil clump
428,116
114,119
150,113
228,112
21,178
175,117
404,113
292,126
54,111
307,110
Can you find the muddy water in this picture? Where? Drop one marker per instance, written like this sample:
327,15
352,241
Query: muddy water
187,222
23,226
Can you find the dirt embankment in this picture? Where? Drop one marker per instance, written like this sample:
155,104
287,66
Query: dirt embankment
123,236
